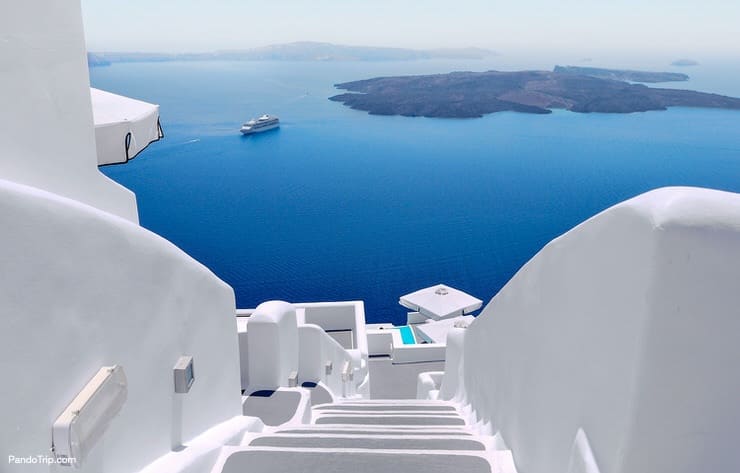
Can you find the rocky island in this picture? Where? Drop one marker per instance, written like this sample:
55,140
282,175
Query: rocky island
473,94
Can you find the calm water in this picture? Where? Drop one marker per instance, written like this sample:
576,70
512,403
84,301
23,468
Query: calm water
340,205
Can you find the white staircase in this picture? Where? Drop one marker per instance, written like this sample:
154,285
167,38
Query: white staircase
361,436
323,422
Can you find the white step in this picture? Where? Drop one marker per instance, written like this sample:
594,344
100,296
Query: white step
385,407
299,460
331,412
368,441
376,430
385,419
394,402
276,407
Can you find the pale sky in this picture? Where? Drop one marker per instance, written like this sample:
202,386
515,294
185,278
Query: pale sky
682,28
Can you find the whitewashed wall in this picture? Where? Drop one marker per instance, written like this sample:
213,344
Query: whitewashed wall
47,139
272,345
80,289
625,327
81,284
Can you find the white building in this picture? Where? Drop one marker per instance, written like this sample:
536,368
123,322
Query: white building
613,350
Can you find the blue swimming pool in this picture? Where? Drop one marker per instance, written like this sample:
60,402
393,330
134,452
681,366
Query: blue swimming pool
407,335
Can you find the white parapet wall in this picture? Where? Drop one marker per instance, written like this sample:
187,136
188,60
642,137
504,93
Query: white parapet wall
623,331
322,360
344,316
81,289
339,316
418,353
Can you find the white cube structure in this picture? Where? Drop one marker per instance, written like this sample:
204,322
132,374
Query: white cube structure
272,334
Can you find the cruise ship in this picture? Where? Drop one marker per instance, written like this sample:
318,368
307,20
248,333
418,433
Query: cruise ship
613,350
258,125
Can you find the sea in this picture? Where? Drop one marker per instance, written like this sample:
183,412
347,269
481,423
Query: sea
341,205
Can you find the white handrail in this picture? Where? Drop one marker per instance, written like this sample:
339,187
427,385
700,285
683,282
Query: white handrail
319,353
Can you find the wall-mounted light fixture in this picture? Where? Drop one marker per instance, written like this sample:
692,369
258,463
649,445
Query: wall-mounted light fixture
184,374
84,421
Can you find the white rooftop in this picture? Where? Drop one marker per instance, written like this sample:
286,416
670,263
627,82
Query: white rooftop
123,126
441,302
436,330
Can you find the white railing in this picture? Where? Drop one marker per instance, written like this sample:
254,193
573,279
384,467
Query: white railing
321,358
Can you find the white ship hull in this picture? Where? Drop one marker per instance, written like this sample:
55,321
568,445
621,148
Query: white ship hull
258,125
250,131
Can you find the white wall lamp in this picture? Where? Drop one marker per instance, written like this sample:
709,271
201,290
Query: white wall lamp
84,421
184,374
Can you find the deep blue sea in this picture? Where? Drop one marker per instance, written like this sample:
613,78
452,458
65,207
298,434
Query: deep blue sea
341,205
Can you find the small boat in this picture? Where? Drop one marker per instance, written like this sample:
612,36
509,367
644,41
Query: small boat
258,125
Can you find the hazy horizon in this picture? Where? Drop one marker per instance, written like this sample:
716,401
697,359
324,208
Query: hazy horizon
670,29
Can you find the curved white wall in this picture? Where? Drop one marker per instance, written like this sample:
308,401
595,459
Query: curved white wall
625,327
80,289
272,345
47,136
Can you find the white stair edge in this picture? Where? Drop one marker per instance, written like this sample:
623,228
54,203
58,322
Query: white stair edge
492,459
397,436
400,413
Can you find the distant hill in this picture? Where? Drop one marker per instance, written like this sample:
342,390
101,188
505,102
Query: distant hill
473,94
95,60
300,51
684,62
623,74
310,51
112,58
